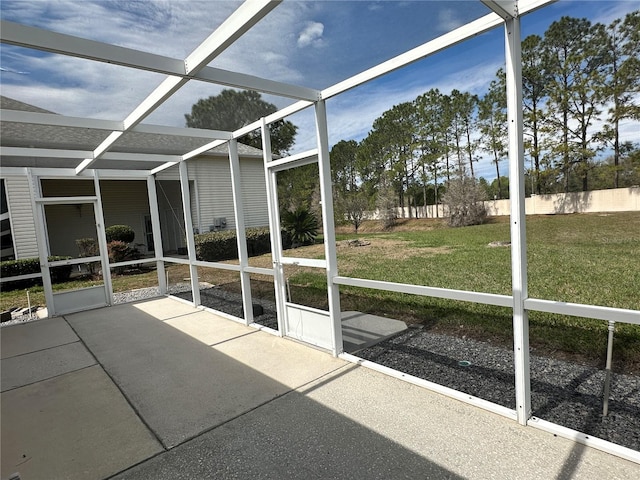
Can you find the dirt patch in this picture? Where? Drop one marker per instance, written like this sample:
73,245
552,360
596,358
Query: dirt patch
350,257
402,225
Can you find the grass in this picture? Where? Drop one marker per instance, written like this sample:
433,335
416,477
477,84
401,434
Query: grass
589,258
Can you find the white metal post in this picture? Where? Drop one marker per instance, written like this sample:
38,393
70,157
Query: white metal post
324,168
241,235
607,380
518,228
274,226
157,233
41,240
188,227
102,239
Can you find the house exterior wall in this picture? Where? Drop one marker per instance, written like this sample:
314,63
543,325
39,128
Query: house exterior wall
212,182
126,202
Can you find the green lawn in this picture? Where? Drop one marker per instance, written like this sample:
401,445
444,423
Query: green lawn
592,259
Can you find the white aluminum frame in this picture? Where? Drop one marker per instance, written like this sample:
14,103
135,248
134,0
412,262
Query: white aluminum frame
194,68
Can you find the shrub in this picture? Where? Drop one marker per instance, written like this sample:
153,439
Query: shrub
120,233
386,203
26,266
301,225
88,247
465,201
218,246
121,252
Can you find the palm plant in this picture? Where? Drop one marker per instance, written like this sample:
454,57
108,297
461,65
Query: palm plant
301,225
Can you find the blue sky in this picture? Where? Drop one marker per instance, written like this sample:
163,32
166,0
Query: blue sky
311,43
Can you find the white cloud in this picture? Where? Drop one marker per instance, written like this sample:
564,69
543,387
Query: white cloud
311,35
448,20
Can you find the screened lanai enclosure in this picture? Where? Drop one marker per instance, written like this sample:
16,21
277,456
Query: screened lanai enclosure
71,177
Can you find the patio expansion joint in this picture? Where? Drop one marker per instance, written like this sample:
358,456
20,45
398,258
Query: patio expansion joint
52,377
215,344
44,349
122,392
182,315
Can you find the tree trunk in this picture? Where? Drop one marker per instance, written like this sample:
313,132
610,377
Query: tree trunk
498,174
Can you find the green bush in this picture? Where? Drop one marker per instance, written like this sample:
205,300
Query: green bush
121,252
218,246
26,266
302,225
87,247
120,233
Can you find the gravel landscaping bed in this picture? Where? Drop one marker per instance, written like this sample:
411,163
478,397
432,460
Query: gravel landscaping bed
562,392
230,303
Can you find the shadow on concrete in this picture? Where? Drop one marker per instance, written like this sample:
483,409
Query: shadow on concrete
572,462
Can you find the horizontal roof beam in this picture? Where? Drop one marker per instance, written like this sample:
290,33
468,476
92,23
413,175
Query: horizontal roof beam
36,118
202,149
63,44
40,39
297,160
42,152
182,132
274,117
163,167
70,172
71,154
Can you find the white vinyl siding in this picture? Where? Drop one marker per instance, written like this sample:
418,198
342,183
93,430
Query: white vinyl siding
22,218
214,190
254,193
213,178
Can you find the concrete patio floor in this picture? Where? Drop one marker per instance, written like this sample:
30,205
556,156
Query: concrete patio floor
161,390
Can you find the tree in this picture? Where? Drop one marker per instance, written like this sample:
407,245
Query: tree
393,143
355,207
623,81
431,135
299,188
231,110
492,120
534,87
573,52
464,109
344,174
